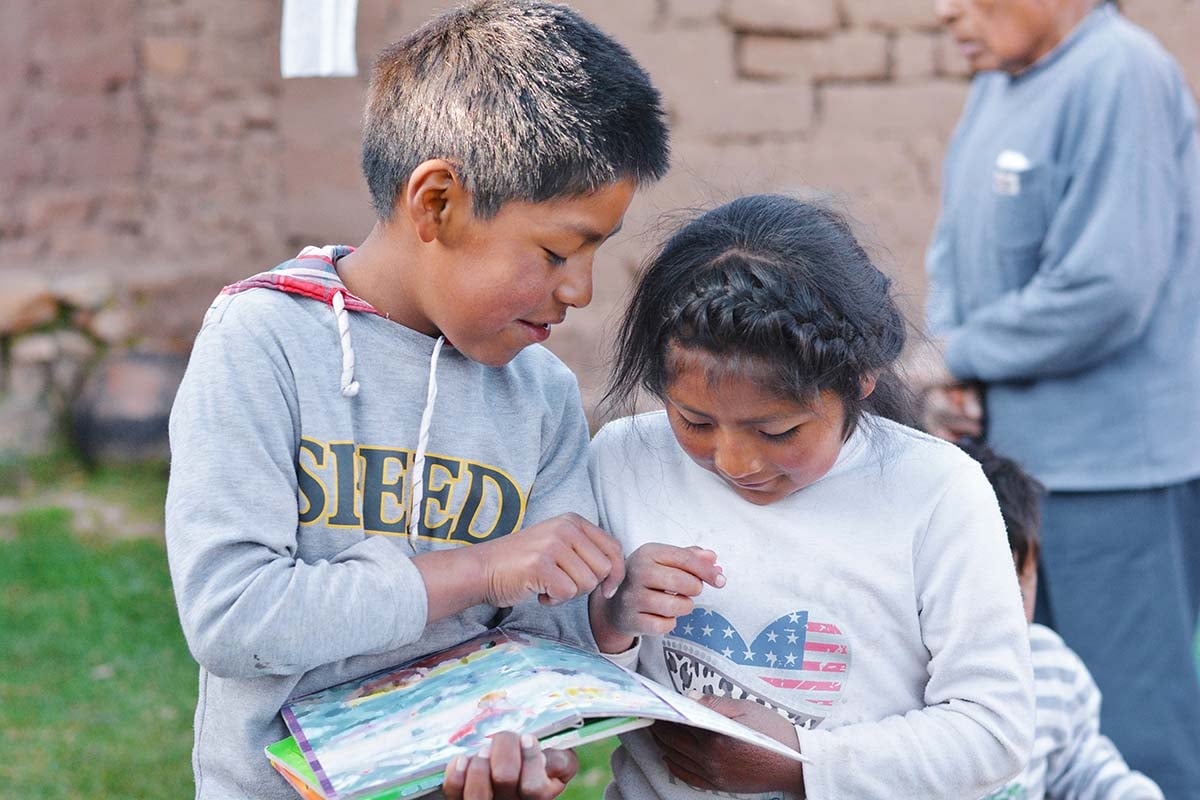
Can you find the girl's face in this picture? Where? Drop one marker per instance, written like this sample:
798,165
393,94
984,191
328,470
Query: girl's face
764,447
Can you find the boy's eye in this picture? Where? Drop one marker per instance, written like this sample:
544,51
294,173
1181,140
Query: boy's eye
554,258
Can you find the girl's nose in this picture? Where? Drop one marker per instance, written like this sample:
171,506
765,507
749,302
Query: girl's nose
735,460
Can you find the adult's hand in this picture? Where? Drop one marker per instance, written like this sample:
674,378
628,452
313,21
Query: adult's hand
952,412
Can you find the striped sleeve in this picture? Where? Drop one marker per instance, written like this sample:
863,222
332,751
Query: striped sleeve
1081,763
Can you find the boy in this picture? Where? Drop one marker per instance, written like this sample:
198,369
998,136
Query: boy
360,429
1071,759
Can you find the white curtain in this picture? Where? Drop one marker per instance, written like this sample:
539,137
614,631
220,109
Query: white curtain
317,38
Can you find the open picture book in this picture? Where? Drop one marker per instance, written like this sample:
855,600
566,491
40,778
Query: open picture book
391,734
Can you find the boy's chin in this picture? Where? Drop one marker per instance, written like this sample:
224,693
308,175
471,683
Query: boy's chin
491,356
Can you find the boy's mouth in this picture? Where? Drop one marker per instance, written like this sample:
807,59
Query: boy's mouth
538,331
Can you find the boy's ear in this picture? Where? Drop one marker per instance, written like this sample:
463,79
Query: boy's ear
433,197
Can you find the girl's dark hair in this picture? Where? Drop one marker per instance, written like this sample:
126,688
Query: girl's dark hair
772,284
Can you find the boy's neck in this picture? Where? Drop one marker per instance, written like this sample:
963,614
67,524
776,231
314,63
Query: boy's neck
380,272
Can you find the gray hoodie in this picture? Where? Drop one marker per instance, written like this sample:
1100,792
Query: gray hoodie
293,444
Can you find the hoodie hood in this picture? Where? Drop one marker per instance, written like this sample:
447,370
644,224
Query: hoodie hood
313,274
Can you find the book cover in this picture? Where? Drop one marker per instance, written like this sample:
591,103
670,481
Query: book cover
401,725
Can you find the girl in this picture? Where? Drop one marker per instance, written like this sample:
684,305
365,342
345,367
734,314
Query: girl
863,610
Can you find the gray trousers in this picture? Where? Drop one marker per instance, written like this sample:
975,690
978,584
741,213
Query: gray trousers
1119,579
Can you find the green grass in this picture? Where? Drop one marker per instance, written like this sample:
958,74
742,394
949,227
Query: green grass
97,687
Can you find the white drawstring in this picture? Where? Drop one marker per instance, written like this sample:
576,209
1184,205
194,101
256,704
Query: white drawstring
418,466
349,385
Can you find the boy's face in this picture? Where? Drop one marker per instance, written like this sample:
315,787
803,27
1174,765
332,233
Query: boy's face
499,284
1027,579
1007,35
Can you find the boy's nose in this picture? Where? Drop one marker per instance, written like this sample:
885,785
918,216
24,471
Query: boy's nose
575,288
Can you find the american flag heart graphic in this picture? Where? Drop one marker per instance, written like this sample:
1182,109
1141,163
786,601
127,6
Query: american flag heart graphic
795,665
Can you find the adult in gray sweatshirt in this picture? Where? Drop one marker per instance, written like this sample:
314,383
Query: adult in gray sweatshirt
1064,279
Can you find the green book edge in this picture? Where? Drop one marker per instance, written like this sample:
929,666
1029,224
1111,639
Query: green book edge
288,754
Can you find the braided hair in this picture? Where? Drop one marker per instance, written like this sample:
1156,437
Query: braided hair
774,287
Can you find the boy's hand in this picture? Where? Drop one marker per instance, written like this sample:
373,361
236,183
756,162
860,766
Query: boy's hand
558,559
660,582
718,763
510,768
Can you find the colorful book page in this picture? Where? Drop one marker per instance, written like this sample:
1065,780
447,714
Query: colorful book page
407,723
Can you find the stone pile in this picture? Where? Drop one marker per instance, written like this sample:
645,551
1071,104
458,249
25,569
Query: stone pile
78,362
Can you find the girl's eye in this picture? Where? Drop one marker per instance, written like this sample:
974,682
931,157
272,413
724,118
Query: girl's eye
554,258
779,437
692,426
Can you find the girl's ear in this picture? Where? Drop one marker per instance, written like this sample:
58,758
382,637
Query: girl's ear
433,198
867,384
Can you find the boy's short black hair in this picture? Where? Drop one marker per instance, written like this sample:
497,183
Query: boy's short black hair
526,98
1019,495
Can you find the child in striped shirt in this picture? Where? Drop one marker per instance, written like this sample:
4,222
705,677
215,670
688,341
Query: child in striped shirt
1071,759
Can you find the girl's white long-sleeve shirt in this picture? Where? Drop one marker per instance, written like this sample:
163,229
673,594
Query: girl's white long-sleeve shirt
878,608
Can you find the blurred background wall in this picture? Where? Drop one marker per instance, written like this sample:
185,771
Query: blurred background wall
152,153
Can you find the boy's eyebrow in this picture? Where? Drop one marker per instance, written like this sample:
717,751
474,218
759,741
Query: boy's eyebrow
590,235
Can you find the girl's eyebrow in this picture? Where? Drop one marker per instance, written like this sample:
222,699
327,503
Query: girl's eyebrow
755,421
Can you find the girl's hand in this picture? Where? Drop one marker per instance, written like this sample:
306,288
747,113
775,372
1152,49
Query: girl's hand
714,762
557,559
660,582
510,768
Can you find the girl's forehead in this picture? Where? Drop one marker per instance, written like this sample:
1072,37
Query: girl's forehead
700,378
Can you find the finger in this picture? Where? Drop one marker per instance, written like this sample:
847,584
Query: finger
534,780
653,625
722,705
968,428
456,774
690,756
505,758
645,600
610,551
561,765
697,561
679,740
477,785
556,584
972,404
580,571
688,776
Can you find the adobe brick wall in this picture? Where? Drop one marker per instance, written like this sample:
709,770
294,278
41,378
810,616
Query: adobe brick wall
151,144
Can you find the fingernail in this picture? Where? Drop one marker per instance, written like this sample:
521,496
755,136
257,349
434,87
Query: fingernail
486,752
459,766
719,581
693,694
527,741
609,592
